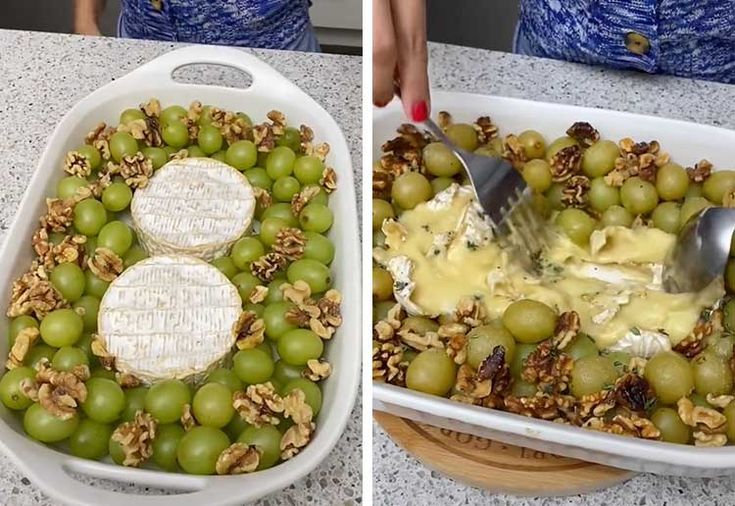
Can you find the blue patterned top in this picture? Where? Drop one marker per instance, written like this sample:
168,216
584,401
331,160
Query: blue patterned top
274,24
690,38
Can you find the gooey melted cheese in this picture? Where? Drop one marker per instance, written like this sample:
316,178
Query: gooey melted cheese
443,251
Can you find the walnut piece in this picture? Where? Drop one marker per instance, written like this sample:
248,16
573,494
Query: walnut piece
295,438
574,193
513,151
238,458
470,311
709,322
456,347
137,170
328,180
33,294
385,329
548,367
187,419
700,171
136,438
486,130
266,267
77,164
699,416
584,133
289,243
567,328
58,392
719,401
22,345
633,391
301,199
388,363
566,163
258,294
250,330
542,406
59,214
317,370
98,350
296,408
105,264
127,380
259,404
706,439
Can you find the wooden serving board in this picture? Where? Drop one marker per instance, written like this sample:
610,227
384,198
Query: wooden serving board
496,466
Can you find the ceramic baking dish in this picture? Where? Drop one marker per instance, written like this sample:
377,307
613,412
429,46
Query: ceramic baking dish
687,143
269,90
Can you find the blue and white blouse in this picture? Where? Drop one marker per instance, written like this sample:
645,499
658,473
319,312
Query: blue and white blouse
690,38
274,24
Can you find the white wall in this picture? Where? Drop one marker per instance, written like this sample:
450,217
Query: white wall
486,24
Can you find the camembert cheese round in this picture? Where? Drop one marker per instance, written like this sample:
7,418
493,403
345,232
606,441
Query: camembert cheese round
193,206
169,317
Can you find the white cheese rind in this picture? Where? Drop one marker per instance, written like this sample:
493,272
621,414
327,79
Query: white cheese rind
169,317
642,343
193,206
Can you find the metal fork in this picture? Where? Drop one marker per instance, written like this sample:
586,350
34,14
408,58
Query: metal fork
501,191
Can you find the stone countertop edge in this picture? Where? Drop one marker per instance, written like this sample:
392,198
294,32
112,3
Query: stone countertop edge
42,76
399,478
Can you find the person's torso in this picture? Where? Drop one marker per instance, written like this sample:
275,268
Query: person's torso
253,23
691,38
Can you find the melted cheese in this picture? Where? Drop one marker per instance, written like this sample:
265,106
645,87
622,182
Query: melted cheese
442,251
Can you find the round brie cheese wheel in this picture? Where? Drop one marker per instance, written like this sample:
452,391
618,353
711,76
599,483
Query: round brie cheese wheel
193,206
169,317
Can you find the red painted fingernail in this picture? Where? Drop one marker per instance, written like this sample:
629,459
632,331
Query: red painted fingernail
419,112
380,104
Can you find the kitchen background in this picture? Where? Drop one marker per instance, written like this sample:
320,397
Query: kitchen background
338,22
487,24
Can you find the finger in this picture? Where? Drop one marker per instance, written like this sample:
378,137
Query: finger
409,19
384,53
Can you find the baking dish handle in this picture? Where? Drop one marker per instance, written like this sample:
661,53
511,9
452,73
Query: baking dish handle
264,77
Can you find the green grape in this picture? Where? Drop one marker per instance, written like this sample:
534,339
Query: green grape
11,393
523,350
175,134
117,197
258,309
691,207
18,324
463,135
616,216
576,224
316,218
619,359
558,145
37,353
129,115
68,186
440,161
582,346
225,377
378,239
242,155
431,372
411,189
90,247
419,325
439,184
117,454
89,217
212,405
157,156
226,266
533,144
85,344
253,366
105,400
673,429
115,236
165,444
134,402
282,211
173,113
205,117
554,196
47,428
718,184
285,188
267,440
298,346
195,151
169,150
729,413
134,255
601,195
165,400
667,217
280,162
382,284
321,197
698,400
274,291
537,174
122,144
308,169
67,357
695,190
729,318
94,286
487,150
245,283
90,440
591,375
56,237
720,344
311,390
315,274
670,375
68,279
199,449
259,177
236,426
638,196
276,323
210,139
599,159
522,388
92,154
61,327
101,372
291,138
529,321
483,340
284,372
672,181
380,310
269,228
712,375
319,248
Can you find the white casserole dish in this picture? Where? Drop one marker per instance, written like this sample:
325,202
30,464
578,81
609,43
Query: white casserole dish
687,143
269,90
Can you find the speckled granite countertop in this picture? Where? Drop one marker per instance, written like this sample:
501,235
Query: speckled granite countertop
401,479
42,75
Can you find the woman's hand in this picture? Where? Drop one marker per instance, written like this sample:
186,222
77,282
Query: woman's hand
400,55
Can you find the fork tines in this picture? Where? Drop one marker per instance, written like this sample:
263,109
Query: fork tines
521,227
